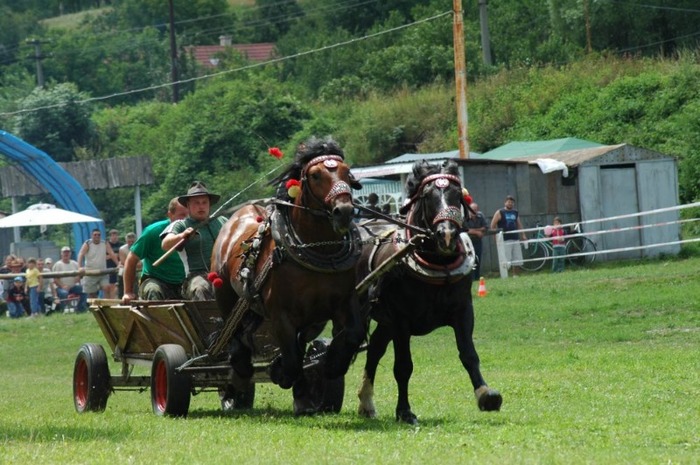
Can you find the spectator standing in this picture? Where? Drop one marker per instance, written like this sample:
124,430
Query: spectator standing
130,238
49,291
16,297
115,244
558,245
67,285
6,269
162,282
373,202
33,287
476,228
198,233
93,252
508,220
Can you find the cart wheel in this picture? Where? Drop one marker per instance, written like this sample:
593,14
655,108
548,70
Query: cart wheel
328,393
91,379
170,390
233,399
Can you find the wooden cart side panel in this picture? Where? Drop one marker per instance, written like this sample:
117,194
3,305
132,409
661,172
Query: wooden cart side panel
108,331
142,329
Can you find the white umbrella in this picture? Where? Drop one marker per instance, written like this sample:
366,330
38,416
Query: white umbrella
43,214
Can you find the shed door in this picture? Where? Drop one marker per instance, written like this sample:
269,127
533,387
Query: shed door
618,185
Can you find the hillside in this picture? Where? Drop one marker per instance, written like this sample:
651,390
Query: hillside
650,103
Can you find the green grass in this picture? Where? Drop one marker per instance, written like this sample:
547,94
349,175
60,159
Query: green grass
595,366
72,20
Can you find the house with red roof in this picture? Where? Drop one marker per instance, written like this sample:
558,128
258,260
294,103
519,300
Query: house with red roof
205,55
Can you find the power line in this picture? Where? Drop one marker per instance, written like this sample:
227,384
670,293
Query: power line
242,68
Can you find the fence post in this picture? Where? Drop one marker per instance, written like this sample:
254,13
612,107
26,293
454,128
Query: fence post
500,248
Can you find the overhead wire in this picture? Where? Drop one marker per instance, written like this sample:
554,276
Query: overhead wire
229,71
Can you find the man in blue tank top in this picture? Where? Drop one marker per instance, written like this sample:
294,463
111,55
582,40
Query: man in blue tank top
508,220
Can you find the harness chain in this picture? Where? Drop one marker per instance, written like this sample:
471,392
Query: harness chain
237,313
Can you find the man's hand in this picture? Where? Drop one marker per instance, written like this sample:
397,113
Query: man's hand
128,297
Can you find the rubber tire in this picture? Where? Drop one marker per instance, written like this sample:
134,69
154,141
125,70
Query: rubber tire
580,245
91,379
238,400
333,395
536,250
170,390
328,393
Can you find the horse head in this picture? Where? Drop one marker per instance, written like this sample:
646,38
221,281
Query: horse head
436,203
325,182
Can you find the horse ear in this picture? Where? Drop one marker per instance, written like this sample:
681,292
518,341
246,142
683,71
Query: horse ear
450,167
403,210
354,183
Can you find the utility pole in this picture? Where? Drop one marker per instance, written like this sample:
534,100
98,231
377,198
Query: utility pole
587,14
485,35
38,57
173,54
460,78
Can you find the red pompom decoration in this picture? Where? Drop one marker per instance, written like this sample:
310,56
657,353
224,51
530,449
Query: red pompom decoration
467,197
275,152
293,188
212,276
218,282
259,219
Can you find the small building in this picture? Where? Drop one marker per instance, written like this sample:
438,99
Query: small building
574,179
207,55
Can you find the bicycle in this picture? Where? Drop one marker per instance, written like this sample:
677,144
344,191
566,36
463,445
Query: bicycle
536,254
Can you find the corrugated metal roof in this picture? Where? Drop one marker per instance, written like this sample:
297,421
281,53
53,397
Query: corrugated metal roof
620,153
254,52
412,157
520,149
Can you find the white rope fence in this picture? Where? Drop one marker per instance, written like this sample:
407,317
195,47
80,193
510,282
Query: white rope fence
504,264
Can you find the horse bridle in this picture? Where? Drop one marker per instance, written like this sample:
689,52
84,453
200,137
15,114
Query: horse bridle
451,213
331,163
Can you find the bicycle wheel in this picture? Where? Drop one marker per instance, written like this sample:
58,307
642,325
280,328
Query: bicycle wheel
534,257
580,245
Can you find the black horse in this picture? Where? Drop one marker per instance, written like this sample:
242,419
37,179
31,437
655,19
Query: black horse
430,287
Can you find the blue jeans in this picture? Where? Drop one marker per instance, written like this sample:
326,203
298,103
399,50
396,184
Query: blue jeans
77,290
36,303
558,263
16,309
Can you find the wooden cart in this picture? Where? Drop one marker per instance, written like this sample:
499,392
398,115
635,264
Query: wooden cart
171,337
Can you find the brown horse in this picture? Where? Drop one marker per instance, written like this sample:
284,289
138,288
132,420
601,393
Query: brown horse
293,260
429,288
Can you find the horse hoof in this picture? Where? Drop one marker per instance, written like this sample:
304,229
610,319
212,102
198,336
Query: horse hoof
367,413
407,417
304,407
488,400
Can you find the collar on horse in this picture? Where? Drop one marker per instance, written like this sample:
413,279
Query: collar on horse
289,244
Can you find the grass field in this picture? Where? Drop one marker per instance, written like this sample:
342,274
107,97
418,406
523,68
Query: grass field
595,366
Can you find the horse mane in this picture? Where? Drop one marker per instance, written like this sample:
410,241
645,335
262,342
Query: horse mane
307,151
422,168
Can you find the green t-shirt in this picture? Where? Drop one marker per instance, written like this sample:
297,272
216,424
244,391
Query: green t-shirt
148,249
196,255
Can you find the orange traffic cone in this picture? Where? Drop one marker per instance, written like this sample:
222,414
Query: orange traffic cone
482,287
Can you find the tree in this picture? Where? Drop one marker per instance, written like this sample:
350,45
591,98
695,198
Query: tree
56,121
203,21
